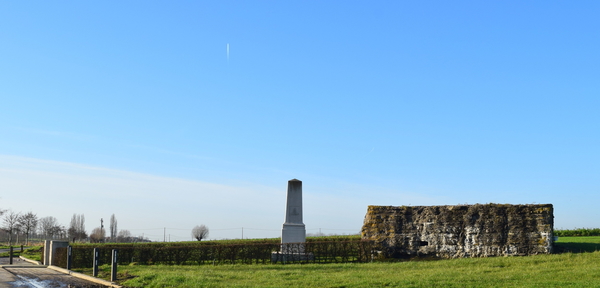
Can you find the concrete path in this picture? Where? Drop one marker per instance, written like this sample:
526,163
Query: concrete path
26,275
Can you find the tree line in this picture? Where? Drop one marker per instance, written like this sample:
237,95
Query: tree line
21,228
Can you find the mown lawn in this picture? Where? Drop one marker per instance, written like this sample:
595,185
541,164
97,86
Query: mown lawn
578,244
557,270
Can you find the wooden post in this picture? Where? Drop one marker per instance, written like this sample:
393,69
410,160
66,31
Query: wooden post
10,252
95,271
113,267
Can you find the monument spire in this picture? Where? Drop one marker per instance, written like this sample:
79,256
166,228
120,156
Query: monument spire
294,230
293,234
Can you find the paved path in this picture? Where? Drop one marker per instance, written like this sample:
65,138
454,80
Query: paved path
16,261
27,275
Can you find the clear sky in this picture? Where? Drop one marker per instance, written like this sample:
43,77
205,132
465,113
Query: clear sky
179,113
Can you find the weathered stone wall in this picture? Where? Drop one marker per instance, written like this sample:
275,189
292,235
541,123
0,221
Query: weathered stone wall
460,231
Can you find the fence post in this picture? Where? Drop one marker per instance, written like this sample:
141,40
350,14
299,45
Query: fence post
95,272
69,257
10,252
113,267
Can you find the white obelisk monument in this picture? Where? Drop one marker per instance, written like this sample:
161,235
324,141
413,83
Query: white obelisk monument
293,230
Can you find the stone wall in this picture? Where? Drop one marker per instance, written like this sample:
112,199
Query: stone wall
460,231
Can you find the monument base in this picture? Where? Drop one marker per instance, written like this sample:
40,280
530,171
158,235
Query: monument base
293,233
291,257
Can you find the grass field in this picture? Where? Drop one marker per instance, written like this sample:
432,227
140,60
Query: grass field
557,270
578,244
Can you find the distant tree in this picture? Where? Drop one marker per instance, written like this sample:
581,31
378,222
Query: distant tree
28,223
18,230
113,228
200,232
124,236
11,220
59,232
77,228
97,235
48,227
45,225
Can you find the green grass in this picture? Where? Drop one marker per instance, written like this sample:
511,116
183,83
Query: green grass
33,253
578,244
557,270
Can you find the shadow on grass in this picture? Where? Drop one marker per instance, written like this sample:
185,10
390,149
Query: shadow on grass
573,247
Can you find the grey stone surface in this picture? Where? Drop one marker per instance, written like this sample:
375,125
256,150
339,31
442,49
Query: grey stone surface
479,230
41,277
46,258
50,250
291,257
293,230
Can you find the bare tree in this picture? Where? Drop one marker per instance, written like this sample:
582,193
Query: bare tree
11,220
124,236
28,223
18,230
200,232
97,235
47,226
77,227
58,232
113,228
50,229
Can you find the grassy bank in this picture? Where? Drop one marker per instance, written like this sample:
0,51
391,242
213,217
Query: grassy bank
33,253
558,270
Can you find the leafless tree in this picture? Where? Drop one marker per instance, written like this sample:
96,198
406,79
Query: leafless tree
11,220
77,227
200,232
47,226
124,236
59,232
113,228
44,225
18,229
97,235
28,223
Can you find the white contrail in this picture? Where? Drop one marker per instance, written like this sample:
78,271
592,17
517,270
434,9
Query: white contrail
228,52
370,151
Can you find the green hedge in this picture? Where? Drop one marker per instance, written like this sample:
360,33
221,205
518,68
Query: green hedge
200,253
578,232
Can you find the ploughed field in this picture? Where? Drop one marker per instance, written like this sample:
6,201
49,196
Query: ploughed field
578,265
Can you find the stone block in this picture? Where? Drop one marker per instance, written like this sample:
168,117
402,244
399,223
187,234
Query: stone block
479,230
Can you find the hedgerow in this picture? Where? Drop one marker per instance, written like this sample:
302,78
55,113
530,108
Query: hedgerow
339,250
577,232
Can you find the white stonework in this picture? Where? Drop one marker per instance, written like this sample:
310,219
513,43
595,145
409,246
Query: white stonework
293,230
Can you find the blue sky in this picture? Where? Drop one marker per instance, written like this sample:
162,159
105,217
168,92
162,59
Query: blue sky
384,103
